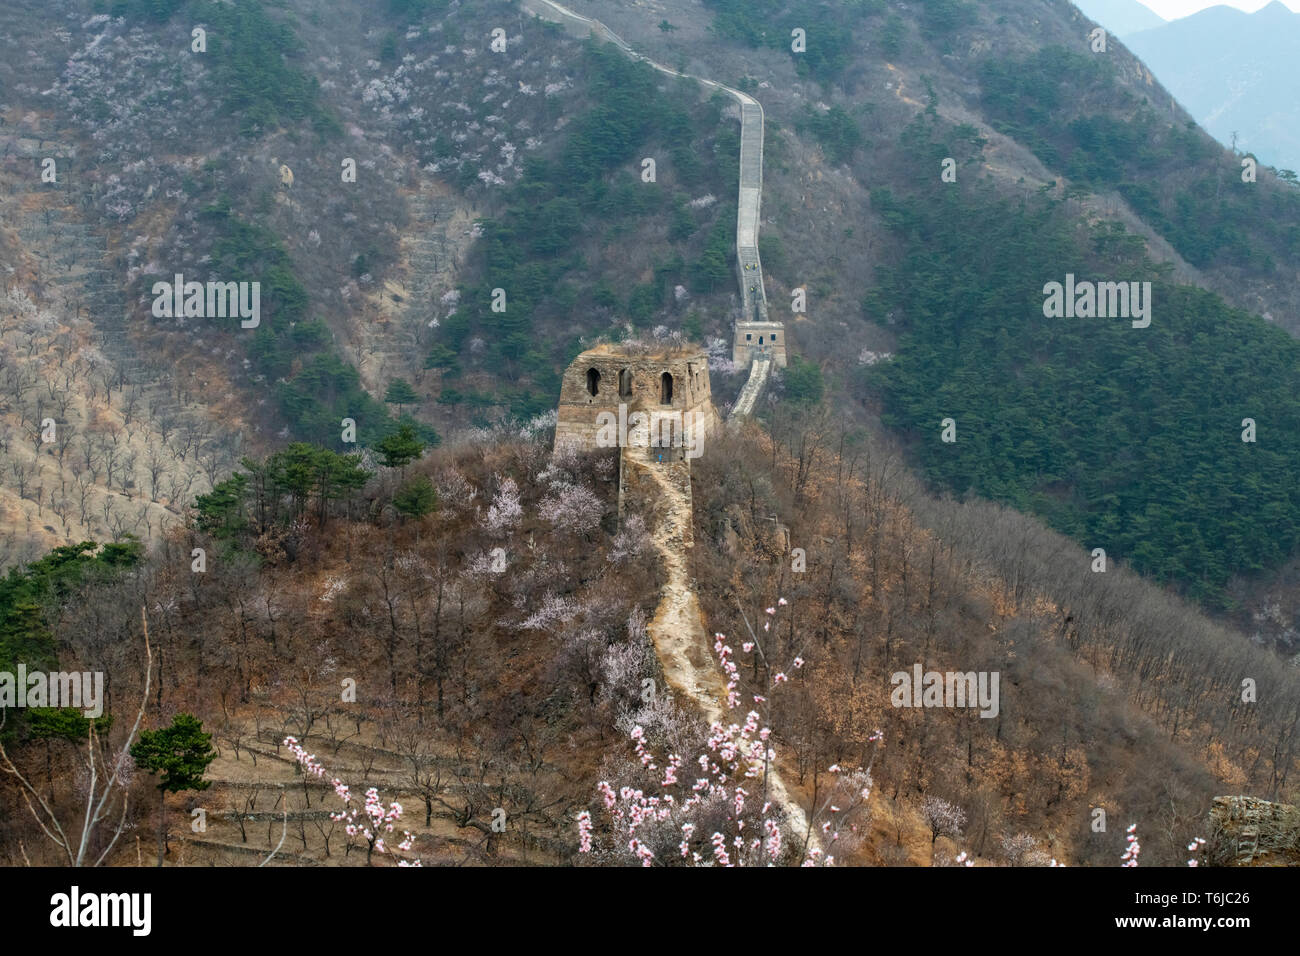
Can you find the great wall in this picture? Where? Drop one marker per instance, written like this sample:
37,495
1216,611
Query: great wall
1244,831
668,392
756,338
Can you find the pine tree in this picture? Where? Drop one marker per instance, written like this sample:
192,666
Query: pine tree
178,755
416,498
400,448
400,393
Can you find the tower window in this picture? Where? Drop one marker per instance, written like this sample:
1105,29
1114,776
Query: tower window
593,381
665,389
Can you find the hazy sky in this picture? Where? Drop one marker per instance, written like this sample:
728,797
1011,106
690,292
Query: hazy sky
1173,9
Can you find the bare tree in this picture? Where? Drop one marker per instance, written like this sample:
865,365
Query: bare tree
101,794
23,472
154,464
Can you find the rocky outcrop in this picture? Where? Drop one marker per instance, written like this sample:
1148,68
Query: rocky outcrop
1247,831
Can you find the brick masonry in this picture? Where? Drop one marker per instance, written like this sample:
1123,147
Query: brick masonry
625,382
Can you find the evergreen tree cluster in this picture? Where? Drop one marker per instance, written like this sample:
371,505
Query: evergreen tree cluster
1127,439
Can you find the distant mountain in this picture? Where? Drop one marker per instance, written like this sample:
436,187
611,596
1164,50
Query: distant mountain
1121,17
1234,71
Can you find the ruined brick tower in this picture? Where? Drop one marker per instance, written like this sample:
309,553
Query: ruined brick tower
615,397
653,405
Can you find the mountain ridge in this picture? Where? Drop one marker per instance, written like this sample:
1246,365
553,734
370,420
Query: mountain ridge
1121,17
1235,72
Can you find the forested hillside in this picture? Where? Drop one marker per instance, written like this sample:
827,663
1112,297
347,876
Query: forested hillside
374,179
479,686
926,295
1115,435
346,527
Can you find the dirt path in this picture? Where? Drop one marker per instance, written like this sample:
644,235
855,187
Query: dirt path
677,631
680,641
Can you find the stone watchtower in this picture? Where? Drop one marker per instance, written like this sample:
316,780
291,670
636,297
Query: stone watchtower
657,402
754,340
653,405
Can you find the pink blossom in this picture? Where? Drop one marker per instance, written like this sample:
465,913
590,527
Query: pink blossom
607,792
584,832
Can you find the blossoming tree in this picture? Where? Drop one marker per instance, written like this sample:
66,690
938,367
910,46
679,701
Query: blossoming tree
719,808
371,822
